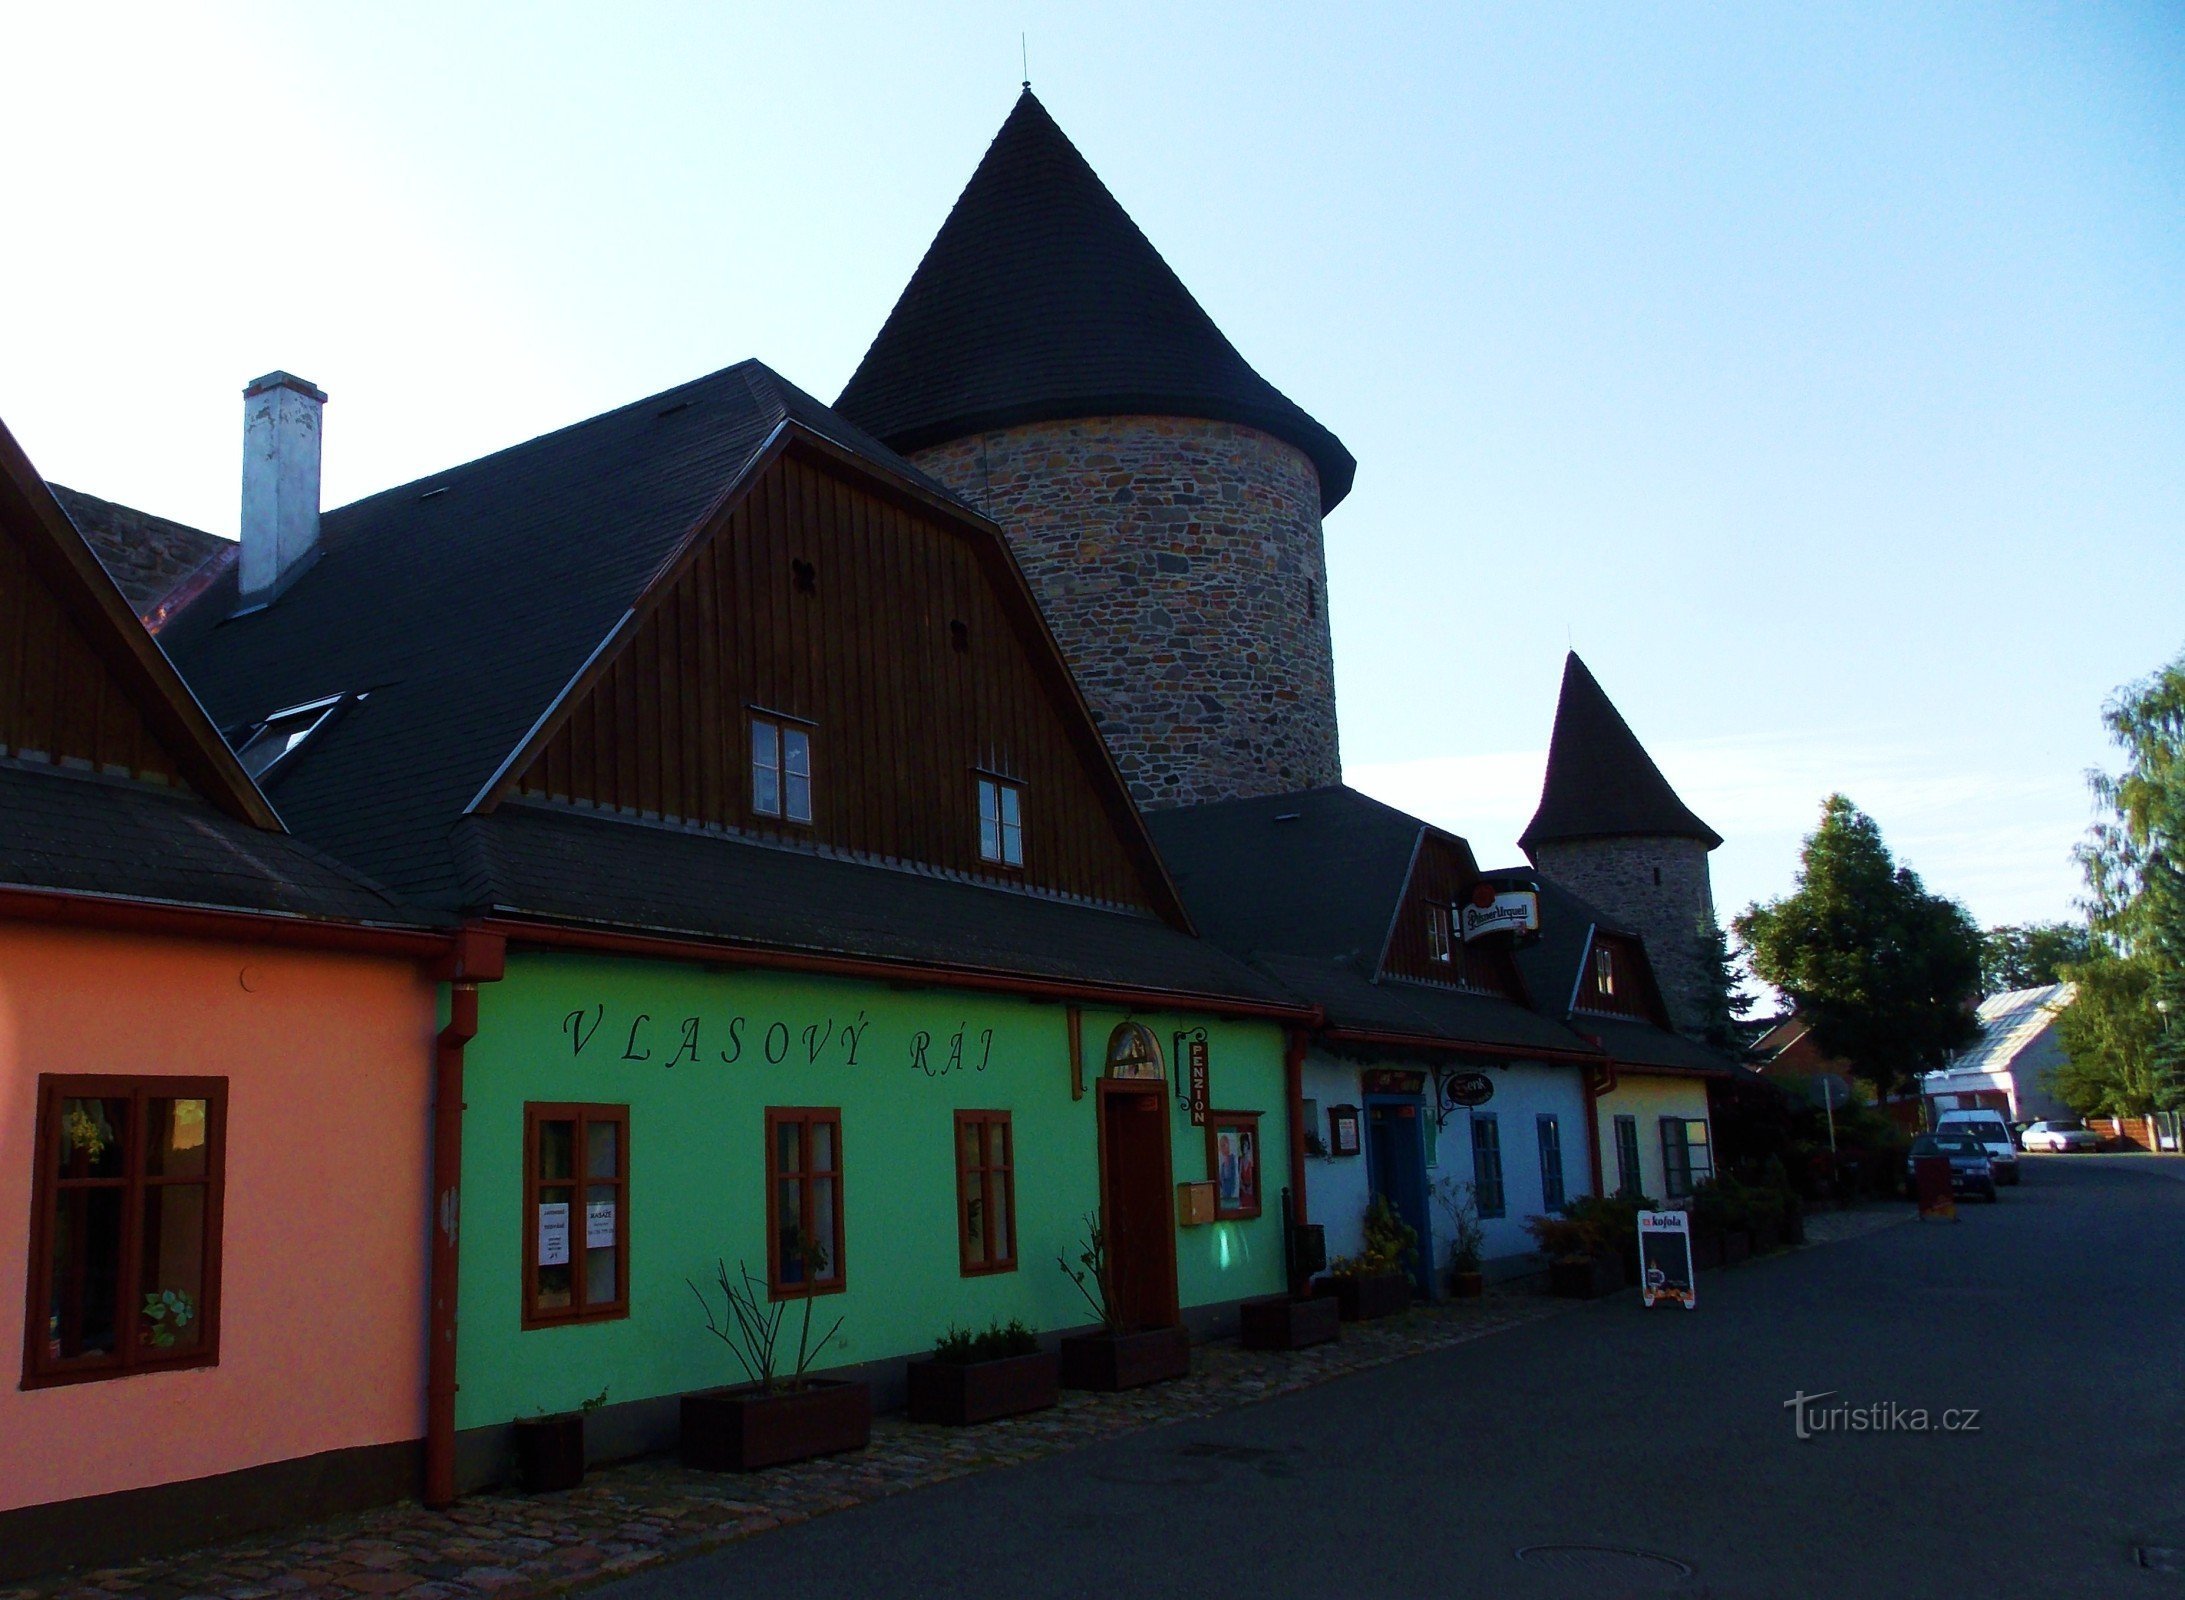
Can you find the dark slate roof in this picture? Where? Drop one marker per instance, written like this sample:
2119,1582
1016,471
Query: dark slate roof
1551,965
147,556
543,862
1305,886
460,606
83,834
1318,873
460,616
1040,300
1601,783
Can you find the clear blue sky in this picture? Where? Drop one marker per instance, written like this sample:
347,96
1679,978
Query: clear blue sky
1820,372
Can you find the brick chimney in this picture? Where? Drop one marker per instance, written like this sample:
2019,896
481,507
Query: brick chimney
281,416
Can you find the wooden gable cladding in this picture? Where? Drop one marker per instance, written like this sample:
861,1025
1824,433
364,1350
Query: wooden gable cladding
1630,992
903,641
81,681
1442,876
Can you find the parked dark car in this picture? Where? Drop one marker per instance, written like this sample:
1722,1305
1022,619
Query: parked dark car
1971,1170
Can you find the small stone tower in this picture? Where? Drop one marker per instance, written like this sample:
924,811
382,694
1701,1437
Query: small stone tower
1163,498
1611,829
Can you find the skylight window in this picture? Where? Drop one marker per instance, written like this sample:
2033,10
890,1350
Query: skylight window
283,733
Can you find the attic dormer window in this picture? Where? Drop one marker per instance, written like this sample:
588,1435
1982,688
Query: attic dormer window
282,734
1001,822
1437,934
781,770
1604,970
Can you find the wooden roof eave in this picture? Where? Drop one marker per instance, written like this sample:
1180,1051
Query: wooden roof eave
791,436
184,728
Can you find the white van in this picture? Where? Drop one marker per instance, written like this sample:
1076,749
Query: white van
1992,1131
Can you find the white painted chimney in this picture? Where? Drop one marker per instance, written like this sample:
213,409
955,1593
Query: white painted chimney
281,416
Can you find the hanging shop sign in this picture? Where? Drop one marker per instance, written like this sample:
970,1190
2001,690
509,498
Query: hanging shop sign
1510,911
1193,1085
1133,1052
1467,1089
1665,1258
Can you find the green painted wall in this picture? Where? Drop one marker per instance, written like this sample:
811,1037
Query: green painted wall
620,1032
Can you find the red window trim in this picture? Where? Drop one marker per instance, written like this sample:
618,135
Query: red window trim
584,1114
1006,1173
129,1359
1236,1119
804,1118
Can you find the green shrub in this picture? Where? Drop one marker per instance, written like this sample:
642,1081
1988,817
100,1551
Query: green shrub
961,1347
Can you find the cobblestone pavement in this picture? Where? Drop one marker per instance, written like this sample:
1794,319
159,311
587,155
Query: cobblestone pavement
635,1515
1833,1227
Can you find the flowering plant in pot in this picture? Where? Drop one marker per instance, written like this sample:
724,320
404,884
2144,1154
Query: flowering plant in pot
1115,1357
1375,1282
550,1447
1467,1237
1581,1265
977,1377
769,1419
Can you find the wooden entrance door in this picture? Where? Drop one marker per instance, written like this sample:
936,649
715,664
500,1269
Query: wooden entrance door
1138,1203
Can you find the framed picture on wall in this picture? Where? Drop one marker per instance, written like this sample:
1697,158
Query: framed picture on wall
1232,1161
1342,1130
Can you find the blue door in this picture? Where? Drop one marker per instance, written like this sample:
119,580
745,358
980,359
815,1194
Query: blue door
1396,1168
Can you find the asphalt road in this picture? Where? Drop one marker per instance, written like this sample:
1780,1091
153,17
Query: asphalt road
2056,1313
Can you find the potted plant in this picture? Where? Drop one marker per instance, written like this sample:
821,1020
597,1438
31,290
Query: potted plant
1286,1322
1581,1265
1467,1238
769,1420
550,1449
1373,1283
977,1377
1115,1357
1721,1208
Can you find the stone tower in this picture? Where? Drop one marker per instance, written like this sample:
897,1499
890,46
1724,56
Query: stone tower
1611,829
1163,498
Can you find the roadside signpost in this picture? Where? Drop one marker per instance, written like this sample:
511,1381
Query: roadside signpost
1665,1258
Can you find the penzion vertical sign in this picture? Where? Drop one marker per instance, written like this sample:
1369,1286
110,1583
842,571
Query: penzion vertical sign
1192,1077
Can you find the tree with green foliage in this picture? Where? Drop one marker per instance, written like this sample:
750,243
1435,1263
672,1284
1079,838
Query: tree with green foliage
1723,1004
1887,971
2031,955
2124,1032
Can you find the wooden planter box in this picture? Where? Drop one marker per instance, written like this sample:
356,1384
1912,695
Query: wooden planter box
550,1452
1737,1246
957,1393
1467,1285
1585,1280
1280,1323
1112,1361
739,1429
1364,1299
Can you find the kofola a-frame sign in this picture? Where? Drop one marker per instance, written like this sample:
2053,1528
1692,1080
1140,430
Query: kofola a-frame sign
1665,1257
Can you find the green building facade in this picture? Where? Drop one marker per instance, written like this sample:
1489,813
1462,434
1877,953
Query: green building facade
698,1055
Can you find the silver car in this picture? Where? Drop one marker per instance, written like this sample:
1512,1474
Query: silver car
2060,1134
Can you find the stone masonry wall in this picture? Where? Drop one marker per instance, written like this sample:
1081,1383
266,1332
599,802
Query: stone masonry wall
146,556
1179,563
1672,916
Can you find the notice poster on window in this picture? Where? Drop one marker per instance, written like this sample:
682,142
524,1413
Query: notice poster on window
1665,1258
554,1234
599,1225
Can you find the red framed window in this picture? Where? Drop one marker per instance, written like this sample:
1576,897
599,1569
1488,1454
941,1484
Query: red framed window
986,1192
804,1201
125,1227
576,1246
1232,1161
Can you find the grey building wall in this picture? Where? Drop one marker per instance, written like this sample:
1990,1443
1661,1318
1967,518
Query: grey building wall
1658,887
1179,562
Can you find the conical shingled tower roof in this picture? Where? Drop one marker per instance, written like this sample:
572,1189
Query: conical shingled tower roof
1038,301
1601,783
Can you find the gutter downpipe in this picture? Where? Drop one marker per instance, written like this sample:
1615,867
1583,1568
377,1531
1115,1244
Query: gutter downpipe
473,958
1597,1090
1293,1078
